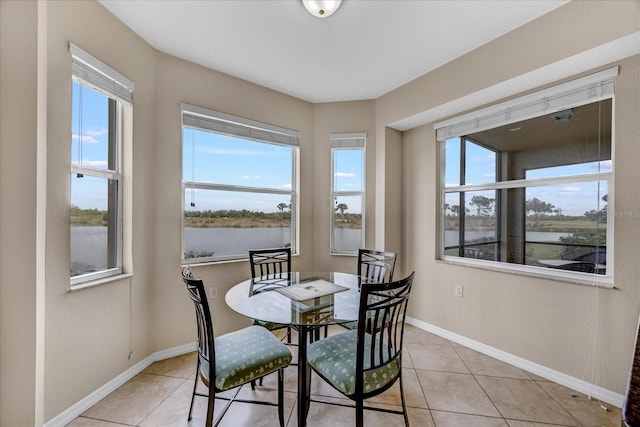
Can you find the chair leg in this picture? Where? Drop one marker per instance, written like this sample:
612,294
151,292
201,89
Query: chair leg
210,404
195,385
288,334
359,413
404,407
253,384
281,396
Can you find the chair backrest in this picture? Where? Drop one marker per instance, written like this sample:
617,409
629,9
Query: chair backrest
382,312
376,266
205,339
270,262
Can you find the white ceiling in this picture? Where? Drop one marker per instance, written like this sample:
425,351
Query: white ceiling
364,50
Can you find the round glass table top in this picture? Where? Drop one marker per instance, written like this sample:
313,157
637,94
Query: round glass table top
298,298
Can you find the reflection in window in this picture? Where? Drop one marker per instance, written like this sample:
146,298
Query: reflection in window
533,192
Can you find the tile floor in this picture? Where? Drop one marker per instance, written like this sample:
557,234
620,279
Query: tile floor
446,385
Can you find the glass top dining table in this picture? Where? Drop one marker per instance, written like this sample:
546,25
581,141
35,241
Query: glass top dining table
302,300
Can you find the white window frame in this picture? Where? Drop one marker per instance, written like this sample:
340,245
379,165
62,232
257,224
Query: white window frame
589,89
94,74
347,141
204,119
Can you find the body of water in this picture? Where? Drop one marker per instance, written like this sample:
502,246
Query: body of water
89,244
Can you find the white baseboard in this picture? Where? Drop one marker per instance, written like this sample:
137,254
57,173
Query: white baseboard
77,409
573,383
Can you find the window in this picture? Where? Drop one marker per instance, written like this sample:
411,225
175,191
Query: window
347,186
239,186
529,183
101,98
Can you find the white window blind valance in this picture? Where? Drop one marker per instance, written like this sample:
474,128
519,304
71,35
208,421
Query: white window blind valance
98,74
348,140
588,89
215,121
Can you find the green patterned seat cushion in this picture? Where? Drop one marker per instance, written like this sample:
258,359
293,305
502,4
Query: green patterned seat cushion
244,355
335,358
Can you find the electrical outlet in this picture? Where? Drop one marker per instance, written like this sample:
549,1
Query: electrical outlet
458,291
213,292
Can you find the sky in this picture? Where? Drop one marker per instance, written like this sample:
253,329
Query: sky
207,157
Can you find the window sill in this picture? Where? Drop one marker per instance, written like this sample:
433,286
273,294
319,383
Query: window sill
98,282
583,279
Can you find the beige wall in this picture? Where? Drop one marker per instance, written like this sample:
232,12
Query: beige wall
87,335
581,331
19,333
328,118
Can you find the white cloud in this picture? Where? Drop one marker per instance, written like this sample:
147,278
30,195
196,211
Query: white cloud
97,132
255,177
288,186
345,175
87,139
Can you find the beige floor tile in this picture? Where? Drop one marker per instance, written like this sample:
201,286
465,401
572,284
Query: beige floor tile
88,422
174,411
135,400
256,415
325,415
480,364
183,366
436,358
413,335
452,419
413,395
588,412
518,423
420,417
446,391
524,400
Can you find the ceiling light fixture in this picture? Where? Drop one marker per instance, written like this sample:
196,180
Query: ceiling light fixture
321,8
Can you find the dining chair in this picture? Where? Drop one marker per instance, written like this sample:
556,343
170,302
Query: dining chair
365,362
274,265
233,359
376,266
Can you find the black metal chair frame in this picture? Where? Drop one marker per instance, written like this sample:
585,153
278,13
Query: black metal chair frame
382,314
205,346
376,266
276,264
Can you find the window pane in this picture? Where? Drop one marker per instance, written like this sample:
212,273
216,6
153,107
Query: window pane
452,222
480,164
347,223
90,128
566,226
226,224
228,160
559,225
480,232
452,162
348,170
93,228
